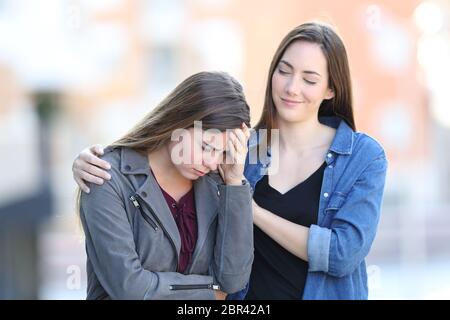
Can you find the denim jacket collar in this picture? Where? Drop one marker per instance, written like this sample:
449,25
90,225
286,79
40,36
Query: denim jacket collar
342,142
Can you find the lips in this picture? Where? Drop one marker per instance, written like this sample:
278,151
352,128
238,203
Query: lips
290,102
199,173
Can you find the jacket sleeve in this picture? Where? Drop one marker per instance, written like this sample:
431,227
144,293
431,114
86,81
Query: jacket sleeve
340,249
111,250
233,251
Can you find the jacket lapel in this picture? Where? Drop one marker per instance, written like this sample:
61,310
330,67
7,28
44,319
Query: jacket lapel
206,199
150,192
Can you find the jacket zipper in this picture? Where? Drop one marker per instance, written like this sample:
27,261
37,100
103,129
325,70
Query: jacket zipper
136,198
194,286
146,217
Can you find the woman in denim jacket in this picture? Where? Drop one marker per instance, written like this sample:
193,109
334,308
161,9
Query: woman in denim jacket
318,184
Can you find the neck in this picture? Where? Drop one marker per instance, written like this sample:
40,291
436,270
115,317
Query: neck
302,136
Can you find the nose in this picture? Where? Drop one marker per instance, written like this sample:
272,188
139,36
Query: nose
211,165
293,87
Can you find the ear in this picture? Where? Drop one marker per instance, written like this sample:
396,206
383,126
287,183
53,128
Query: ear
330,94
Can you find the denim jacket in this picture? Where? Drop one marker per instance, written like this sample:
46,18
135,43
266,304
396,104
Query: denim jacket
349,211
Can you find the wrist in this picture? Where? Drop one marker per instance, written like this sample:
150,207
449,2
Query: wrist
236,181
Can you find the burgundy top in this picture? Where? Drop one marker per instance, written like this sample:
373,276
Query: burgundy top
185,217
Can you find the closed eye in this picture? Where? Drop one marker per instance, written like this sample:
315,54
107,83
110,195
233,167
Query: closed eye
310,82
283,71
209,148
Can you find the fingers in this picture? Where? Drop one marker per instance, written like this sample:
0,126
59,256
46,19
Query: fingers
97,149
242,140
231,150
236,147
82,185
242,135
95,171
88,156
87,167
87,177
246,130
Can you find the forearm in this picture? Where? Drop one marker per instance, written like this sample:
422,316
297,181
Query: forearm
233,252
174,286
123,277
165,285
112,255
291,236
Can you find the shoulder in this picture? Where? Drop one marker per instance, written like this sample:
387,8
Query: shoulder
368,146
113,156
112,187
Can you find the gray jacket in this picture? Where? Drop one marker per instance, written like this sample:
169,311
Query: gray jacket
133,243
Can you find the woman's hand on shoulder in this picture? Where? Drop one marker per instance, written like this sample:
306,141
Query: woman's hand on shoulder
88,167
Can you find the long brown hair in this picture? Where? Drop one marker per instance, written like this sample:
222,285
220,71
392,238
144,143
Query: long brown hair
214,98
341,105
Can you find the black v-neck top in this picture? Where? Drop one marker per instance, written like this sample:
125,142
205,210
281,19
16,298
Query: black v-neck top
276,273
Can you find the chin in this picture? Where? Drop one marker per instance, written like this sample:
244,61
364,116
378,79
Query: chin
291,116
190,175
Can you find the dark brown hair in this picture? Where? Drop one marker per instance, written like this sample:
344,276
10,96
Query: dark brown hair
341,104
214,98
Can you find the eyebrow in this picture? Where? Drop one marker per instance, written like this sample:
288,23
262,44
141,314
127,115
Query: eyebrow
304,71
